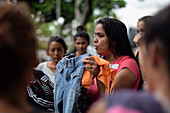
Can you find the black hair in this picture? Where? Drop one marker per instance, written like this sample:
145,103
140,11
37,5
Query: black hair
82,34
117,34
17,49
57,39
158,32
145,18
80,28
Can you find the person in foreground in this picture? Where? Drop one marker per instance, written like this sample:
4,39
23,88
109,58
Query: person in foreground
111,41
154,58
18,57
155,65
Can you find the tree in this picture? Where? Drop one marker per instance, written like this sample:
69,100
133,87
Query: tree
41,10
80,10
84,8
74,12
85,11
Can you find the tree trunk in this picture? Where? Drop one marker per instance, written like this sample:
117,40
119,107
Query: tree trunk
58,8
82,11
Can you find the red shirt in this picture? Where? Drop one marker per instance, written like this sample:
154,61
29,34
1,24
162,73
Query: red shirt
120,63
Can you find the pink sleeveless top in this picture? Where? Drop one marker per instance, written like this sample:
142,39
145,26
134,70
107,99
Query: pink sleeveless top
120,63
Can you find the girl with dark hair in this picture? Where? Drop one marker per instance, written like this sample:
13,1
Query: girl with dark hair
56,49
111,41
80,28
140,31
81,41
40,90
142,22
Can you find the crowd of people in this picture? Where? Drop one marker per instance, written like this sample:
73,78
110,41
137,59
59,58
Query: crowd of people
79,82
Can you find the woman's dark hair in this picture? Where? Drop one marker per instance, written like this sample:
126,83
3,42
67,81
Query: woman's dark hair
146,19
80,28
158,32
57,39
82,34
117,34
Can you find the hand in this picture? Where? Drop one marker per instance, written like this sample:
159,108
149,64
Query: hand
93,67
137,39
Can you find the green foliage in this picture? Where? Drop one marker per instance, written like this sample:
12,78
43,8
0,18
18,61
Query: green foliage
41,45
90,29
44,7
106,9
106,6
118,3
44,29
48,8
67,10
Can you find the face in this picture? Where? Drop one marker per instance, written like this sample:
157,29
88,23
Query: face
153,67
56,51
81,45
101,41
140,28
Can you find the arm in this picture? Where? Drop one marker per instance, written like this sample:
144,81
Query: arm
101,87
124,79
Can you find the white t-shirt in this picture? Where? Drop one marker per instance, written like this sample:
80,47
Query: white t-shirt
43,67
